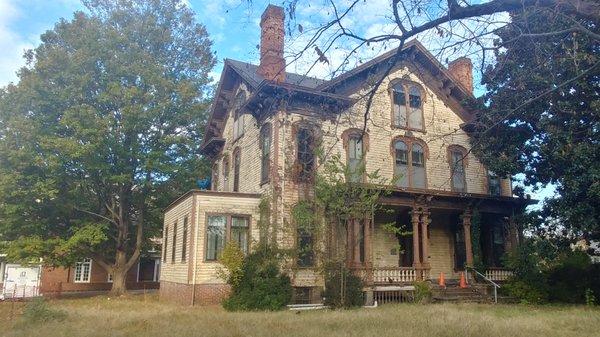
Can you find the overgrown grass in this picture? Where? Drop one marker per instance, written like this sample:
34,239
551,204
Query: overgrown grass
146,316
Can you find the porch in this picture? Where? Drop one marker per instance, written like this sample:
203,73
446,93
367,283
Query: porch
434,236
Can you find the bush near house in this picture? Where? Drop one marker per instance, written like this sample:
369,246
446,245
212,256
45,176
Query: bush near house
342,288
261,286
545,273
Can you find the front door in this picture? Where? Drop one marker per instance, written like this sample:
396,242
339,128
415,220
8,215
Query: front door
460,251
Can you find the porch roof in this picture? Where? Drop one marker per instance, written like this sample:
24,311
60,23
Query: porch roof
439,199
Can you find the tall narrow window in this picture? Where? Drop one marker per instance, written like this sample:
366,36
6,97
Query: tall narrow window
238,116
355,158
305,248
184,239
265,157
418,166
239,232
400,110
494,184
409,166
415,119
83,270
457,166
215,177
236,170
165,243
401,167
215,238
174,243
226,174
306,154
407,106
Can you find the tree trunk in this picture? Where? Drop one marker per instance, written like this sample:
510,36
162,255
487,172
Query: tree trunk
119,274
118,285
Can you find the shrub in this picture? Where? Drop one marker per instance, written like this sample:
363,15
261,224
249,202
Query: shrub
526,292
340,281
38,311
232,259
261,285
422,292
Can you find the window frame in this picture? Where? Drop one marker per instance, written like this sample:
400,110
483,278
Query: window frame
406,86
347,136
409,164
80,264
489,185
174,242
238,115
236,162
228,221
225,172
309,176
215,176
184,238
458,148
265,167
166,243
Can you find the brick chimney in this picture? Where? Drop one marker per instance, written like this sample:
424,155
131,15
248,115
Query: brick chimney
462,70
272,64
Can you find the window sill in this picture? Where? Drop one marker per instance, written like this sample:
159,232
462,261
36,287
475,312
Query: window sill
262,183
408,128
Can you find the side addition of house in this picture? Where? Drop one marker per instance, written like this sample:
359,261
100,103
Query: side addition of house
261,135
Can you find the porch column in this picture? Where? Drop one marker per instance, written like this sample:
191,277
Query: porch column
415,229
466,219
356,230
368,233
425,221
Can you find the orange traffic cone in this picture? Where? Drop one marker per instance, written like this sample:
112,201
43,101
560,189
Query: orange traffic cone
442,281
463,281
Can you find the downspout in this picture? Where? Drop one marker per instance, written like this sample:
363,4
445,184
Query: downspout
194,264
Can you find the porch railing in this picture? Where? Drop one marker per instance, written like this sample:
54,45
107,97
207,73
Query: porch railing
498,274
391,275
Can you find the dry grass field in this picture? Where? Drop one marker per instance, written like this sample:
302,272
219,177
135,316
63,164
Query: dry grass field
145,316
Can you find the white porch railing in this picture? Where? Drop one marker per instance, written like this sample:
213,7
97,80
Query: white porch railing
498,274
391,275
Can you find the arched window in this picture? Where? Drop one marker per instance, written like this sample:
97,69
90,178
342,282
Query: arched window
215,177
457,159
237,157
418,166
407,106
355,143
401,167
225,173
265,155
409,163
305,141
238,116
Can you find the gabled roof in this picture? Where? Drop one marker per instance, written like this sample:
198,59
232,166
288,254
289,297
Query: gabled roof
317,88
248,72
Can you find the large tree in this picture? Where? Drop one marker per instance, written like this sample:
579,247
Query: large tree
102,131
541,115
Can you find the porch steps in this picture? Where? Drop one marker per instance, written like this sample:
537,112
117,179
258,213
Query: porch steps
475,293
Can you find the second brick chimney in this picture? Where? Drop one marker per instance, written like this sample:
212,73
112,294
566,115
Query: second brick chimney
462,70
272,63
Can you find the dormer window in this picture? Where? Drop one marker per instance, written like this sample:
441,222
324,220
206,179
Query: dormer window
238,116
407,106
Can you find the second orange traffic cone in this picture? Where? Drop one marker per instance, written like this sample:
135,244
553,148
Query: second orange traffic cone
442,281
463,281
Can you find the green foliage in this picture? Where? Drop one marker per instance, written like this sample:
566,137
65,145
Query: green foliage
102,130
590,298
547,273
476,240
232,259
342,288
38,311
262,286
423,292
541,116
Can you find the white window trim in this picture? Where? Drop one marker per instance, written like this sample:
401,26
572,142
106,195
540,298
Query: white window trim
81,274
